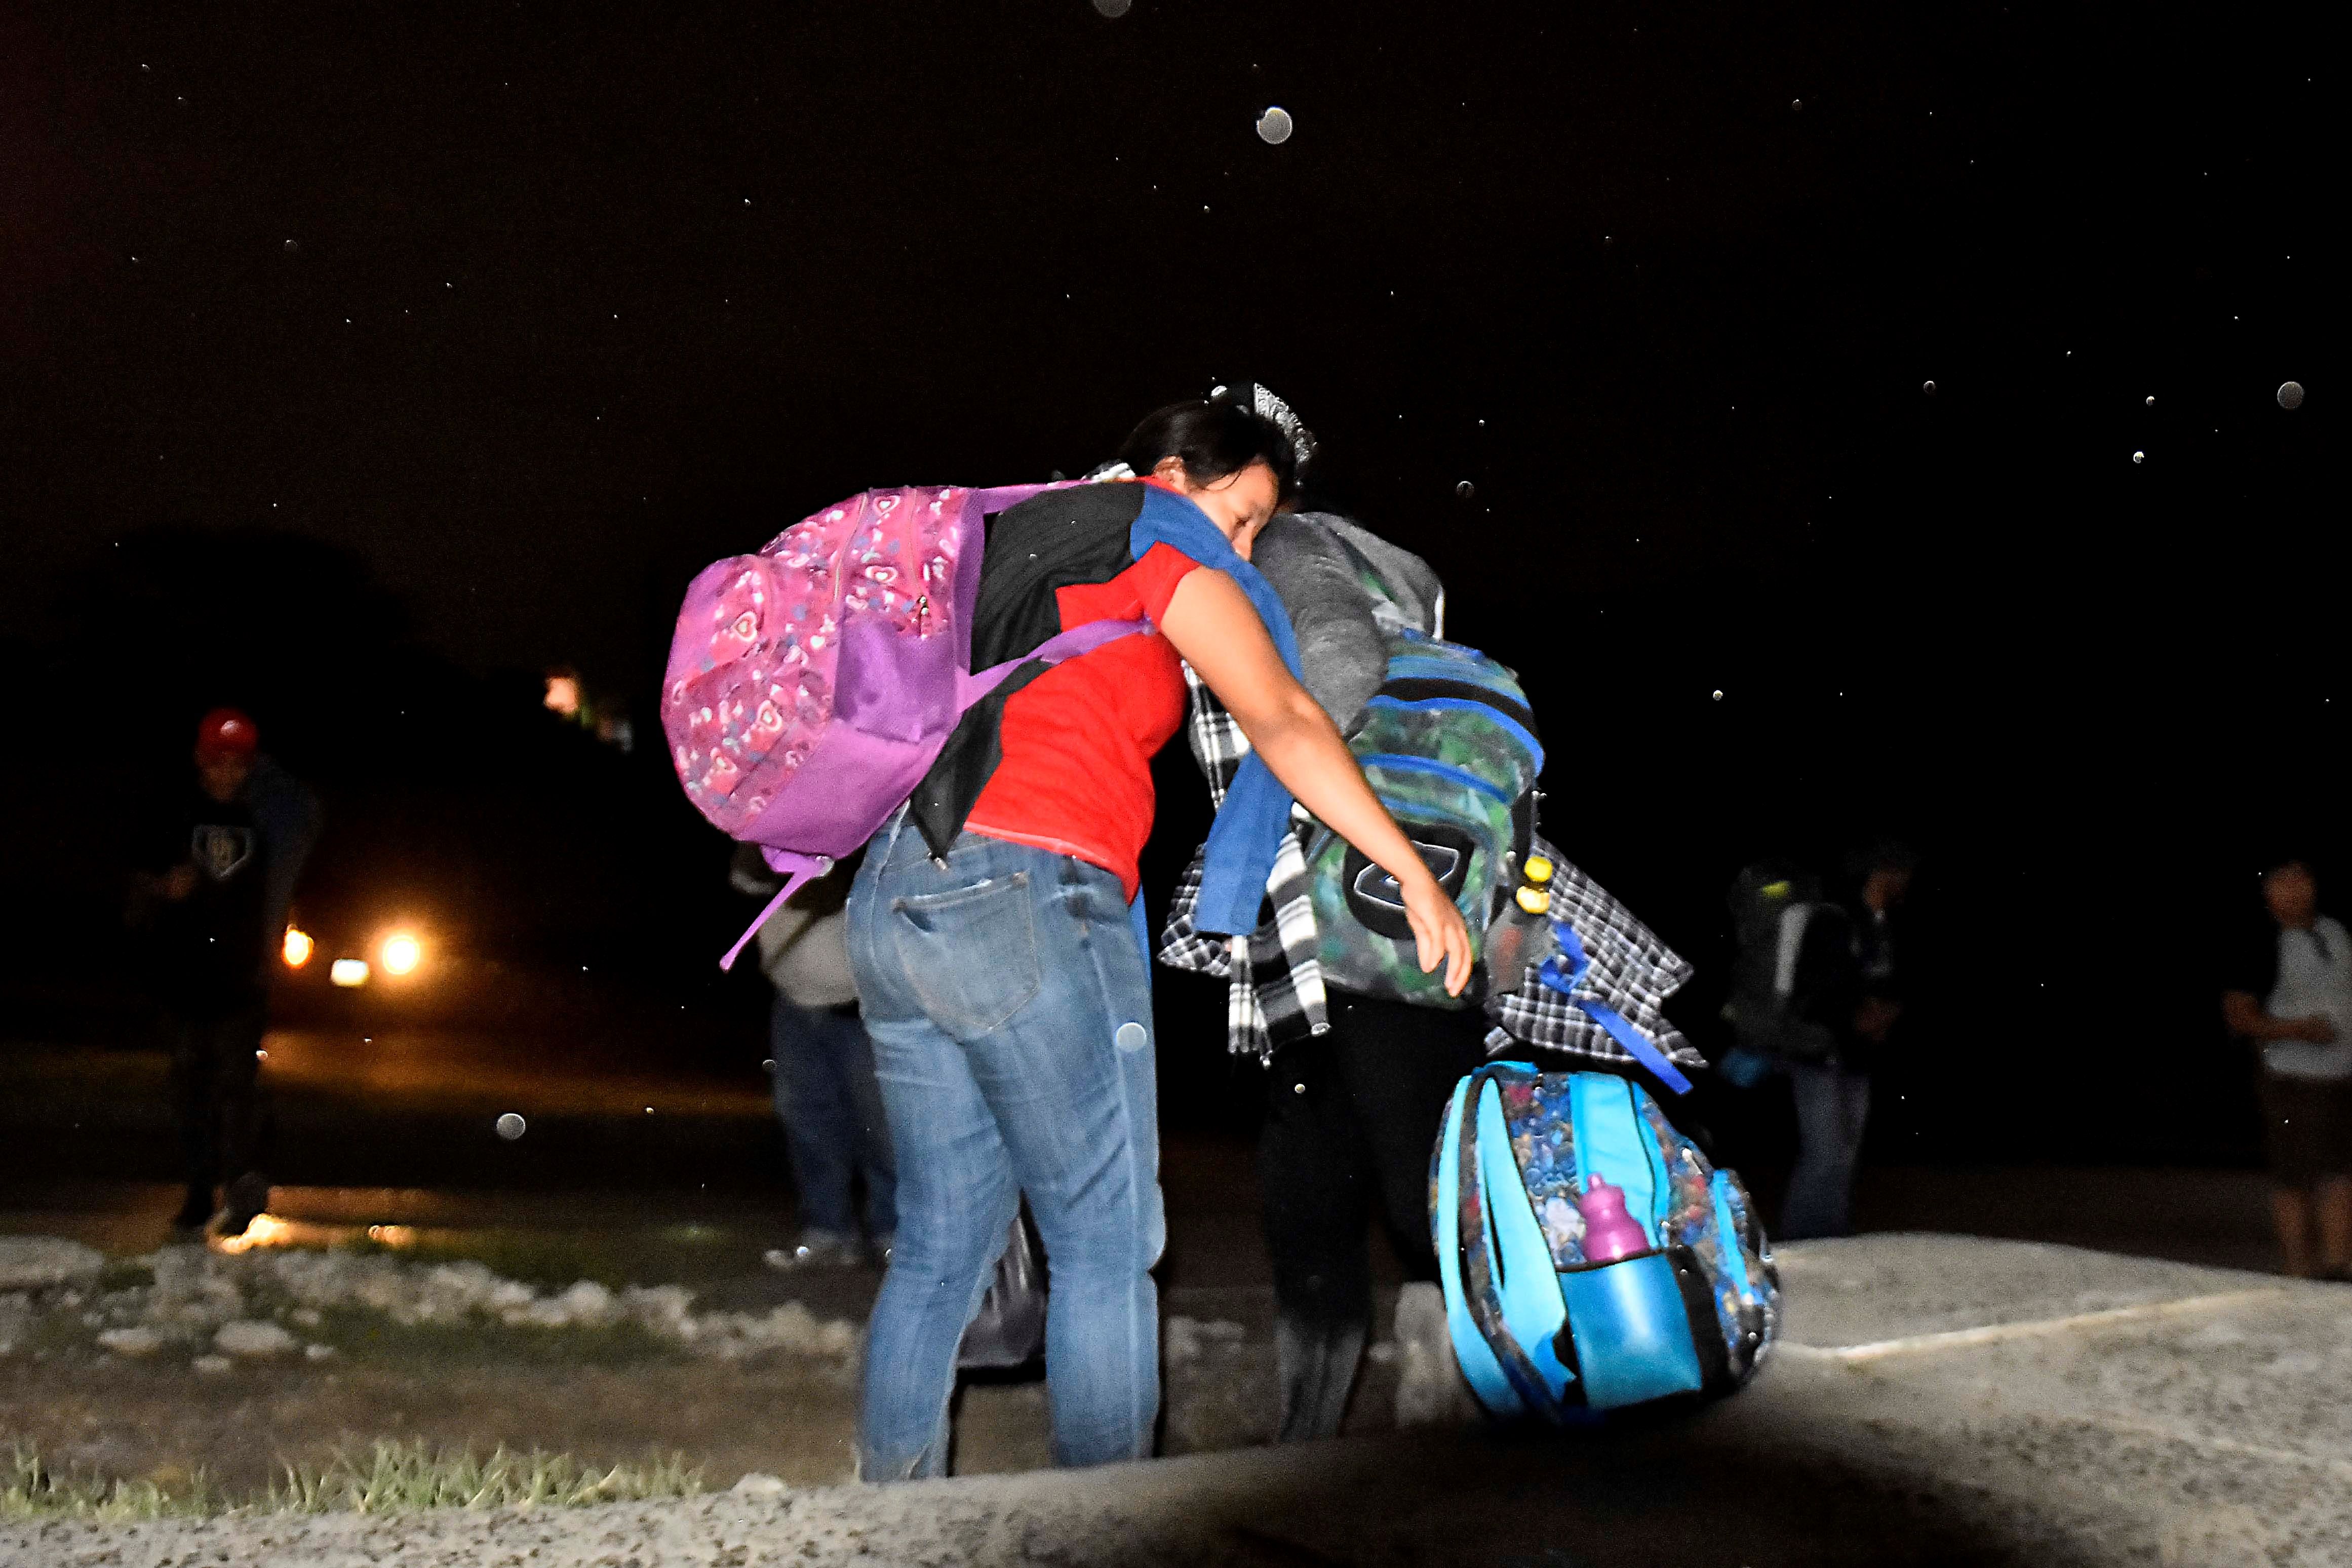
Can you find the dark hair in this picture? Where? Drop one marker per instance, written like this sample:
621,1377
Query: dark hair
1212,439
1881,854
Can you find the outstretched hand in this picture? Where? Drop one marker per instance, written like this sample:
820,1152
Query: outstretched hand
1439,935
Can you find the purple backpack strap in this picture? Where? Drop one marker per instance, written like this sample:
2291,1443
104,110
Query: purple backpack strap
799,871
1002,497
970,688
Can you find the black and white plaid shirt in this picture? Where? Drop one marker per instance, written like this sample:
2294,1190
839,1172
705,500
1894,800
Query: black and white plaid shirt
1628,969
1275,990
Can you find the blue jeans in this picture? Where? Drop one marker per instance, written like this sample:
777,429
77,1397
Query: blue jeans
1011,1012
832,1110
1833,1108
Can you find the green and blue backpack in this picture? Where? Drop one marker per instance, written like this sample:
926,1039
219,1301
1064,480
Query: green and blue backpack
1449,745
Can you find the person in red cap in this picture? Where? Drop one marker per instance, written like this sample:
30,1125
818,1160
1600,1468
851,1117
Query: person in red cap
211,897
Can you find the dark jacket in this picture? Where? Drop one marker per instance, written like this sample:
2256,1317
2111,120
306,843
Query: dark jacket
212,952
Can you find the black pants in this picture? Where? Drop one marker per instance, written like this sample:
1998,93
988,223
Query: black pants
1350,1118
217,1094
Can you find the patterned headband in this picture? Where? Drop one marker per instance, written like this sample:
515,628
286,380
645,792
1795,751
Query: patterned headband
1267,406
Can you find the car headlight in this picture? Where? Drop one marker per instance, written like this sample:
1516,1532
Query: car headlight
297,947
349,971
402,954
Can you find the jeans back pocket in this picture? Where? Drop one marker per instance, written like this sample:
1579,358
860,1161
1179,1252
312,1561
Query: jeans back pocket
969,954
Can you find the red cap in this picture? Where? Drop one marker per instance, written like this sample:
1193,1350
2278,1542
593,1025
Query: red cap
226,732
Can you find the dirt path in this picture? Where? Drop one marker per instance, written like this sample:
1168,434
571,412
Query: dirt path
1941,1402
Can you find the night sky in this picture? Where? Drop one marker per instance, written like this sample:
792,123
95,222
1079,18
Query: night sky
535,310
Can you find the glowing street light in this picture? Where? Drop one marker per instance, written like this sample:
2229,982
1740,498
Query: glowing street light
297,947
402,954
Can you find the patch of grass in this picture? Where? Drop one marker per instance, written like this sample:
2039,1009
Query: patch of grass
30,1490
389,1478
395,1477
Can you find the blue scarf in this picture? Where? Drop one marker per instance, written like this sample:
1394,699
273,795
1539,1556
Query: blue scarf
1257,812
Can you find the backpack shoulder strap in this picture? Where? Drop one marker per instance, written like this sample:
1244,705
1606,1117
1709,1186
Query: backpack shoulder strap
1481,1288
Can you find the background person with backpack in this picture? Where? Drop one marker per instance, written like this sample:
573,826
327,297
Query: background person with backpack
826,1096
1816,990
2290,992
995,936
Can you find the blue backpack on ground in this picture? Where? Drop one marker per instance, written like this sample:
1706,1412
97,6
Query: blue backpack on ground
1590,1255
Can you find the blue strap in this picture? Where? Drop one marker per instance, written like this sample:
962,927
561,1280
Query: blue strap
1565,982
1142,929
1481,1290
1247,833
1643,1051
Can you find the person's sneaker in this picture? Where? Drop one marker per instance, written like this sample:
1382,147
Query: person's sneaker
1430,1390
248,1199
816,1249
194,1213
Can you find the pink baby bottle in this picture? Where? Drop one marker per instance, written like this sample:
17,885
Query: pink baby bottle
1610,1233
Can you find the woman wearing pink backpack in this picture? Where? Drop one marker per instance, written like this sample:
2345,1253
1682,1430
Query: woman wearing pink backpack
996,938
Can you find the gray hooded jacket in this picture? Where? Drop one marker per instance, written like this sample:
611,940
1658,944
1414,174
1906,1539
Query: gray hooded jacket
1341,652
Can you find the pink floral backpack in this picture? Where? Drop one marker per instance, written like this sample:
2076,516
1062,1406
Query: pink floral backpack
810,686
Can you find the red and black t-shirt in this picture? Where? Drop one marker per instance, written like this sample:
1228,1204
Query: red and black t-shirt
1060,757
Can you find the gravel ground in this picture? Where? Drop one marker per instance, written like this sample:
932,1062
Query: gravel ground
234,1364
1938,1400
266,1302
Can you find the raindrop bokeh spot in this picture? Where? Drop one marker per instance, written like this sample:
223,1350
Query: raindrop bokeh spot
1718,696
292,246
2151,402
1928,387
511,1126
1465,490
2289,395
2139,456
1274,127
1112,7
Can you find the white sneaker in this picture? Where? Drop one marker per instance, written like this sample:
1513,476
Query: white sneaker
816,1249
1430,1390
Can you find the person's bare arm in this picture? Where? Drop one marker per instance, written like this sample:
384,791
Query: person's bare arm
1876,1016
1211,623
148,891
2245,1018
